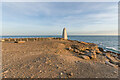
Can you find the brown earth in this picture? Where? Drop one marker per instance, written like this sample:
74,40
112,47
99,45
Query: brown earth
55,58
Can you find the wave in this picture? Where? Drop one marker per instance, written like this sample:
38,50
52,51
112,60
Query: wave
112,49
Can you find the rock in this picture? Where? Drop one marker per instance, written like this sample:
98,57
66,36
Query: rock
57,67
86,51
40,71
9,39
50,64
115,72
108,54
114,55
94,55
2,40
69,48
108,51
81,53
101,49
99,52
75,50
118,57
75,46
69,74
104,54
91,54
6,71
110,64
83,42
46,62
112,60
85,57
61,73
19,42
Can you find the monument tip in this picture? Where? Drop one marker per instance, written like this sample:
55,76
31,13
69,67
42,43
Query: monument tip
64,28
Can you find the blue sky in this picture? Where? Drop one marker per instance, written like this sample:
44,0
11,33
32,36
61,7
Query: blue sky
49,18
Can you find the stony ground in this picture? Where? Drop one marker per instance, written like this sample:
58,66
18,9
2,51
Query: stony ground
53,59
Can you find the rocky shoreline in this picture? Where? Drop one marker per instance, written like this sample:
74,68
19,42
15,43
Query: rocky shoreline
86,52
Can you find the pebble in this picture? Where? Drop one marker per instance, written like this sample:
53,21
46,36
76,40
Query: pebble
61,73
61,63
75,50
69,48
57,67
40,71
64,70
6,71
115,72
71,74
46,62
85,57
86,51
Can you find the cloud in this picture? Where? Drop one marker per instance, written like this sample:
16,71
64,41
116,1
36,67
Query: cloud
36,9
79,17
25,8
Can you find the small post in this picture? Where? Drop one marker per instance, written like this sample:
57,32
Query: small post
8,39
34,39
20,39
64,35
26,39
37,39
15,39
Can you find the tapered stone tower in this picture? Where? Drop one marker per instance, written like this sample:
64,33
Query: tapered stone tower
64,35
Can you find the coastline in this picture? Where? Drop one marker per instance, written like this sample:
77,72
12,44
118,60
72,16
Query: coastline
72,51
34,38
107,42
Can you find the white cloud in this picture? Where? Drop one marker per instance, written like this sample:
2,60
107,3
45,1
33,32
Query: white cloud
28,8
83,17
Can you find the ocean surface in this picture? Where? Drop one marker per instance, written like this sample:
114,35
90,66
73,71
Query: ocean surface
106,42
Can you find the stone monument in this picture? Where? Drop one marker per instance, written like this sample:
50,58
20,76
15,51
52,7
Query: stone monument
64,35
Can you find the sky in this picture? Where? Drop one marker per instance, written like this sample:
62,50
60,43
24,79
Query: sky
49,18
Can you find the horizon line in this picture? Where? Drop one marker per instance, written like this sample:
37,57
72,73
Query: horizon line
59,35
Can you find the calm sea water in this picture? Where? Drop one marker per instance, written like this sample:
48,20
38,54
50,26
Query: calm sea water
106,42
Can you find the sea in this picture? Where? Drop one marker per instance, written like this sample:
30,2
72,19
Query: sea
108,43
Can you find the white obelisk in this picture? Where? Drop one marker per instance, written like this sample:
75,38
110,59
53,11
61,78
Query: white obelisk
64,35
